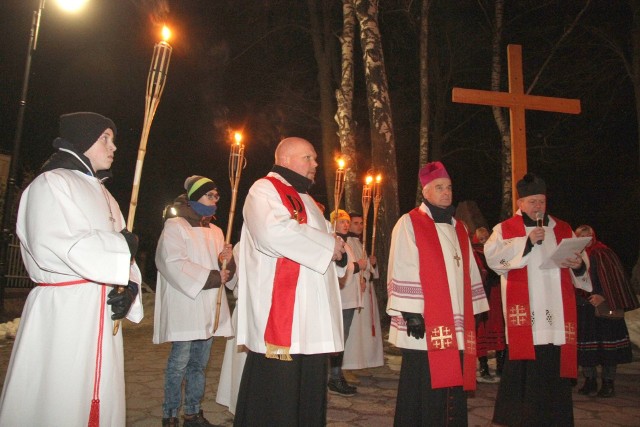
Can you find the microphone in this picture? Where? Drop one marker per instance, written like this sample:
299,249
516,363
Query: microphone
539,223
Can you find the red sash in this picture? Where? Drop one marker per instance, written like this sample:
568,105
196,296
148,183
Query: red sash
444,358
73,282
518,314
277,335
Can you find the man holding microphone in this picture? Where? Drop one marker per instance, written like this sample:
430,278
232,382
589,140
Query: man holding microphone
539,309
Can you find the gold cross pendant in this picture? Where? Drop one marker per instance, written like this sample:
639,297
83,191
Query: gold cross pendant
457,258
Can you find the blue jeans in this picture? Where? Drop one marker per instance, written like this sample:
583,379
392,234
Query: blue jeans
335,370
187,362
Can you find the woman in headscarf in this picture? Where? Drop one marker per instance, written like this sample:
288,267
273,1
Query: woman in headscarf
602,341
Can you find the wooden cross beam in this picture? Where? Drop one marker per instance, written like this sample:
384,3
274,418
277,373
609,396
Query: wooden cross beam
517,101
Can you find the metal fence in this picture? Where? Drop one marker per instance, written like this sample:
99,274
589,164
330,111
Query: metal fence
17,276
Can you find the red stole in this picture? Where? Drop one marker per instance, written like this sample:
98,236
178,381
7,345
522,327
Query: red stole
440,328
518,319
277,335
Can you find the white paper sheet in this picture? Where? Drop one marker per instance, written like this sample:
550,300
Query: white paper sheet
566,249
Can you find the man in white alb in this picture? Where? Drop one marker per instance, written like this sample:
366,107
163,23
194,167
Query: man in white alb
434,289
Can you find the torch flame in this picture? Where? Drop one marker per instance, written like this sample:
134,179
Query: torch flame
166,33
340,163
368,179
238,137
379,178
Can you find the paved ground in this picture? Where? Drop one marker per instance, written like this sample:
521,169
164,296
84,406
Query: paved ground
372,406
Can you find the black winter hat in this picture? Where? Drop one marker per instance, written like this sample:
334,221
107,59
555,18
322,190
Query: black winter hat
82,130
531,184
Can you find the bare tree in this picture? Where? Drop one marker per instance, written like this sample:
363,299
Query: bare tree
344,113
324,51
425,111
382,137
635,78
498,112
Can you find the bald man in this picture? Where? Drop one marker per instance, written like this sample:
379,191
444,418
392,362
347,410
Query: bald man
289,309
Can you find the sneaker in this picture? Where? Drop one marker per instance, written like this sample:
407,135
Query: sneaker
340,386
347,385
170,422
196,420
487,378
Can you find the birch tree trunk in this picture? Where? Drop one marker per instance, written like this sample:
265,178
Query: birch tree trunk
344,113
498,112
383,150
425,111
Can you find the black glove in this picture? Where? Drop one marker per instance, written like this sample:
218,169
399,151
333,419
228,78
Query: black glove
342,262
132,241
121,302
356,268
415,325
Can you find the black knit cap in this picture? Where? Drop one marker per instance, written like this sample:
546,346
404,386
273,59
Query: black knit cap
197,186
531,184
82,130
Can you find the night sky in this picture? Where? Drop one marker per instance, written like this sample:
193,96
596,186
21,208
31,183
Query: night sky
249,65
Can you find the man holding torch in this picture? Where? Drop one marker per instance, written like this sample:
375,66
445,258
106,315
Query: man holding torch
364,348
190,253
351,297
67,368
289,310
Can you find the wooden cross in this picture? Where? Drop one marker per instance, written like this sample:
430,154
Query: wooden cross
517,102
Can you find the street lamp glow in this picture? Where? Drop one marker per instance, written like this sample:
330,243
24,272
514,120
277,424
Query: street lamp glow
71,5
166,33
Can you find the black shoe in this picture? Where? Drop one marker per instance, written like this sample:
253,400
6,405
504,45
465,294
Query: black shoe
589,388
607,389
340,386
196,420
170,422
500,356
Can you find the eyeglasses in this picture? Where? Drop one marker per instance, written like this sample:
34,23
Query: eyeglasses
213,196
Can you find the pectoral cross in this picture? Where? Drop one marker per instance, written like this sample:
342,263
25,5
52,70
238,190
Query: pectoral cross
457,258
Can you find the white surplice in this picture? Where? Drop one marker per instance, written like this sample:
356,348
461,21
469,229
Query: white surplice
268,233
234,356
69,228
545,296
363,349
405,290
185,257
350,295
